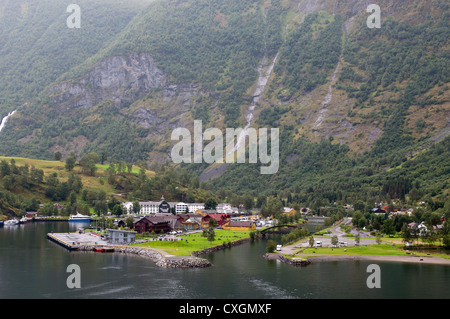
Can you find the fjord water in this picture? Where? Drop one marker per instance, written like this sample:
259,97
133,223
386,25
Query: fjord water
31,266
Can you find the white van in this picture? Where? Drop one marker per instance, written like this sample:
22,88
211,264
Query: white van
318,244
278,247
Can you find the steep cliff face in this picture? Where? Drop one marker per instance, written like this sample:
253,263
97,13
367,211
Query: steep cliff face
120,79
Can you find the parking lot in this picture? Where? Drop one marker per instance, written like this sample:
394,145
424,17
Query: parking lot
326,241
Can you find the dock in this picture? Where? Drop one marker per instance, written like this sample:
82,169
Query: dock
73,241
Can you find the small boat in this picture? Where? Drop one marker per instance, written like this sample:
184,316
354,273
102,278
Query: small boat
79,218
12,222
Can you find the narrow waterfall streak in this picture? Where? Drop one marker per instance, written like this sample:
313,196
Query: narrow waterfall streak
5,119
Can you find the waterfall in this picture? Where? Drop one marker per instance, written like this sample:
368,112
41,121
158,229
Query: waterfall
263,77
5,119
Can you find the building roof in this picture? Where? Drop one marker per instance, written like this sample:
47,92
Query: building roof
121,230
157,219
240,223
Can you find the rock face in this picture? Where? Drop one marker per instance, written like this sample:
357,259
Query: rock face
120,79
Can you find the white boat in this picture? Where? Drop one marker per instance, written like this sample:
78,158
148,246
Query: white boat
79,218
11,222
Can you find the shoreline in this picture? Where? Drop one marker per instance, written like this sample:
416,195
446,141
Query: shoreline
407,259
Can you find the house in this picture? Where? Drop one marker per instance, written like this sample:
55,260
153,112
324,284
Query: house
220,218
119,236
289,211
157,224
205,212
378,211
31,214
192,224
173,220
120,222
183,217
418,229
240,225
225,208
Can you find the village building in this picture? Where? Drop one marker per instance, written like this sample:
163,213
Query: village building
154,208
192,224
31,214
225,208
182,208
221,219
157,224
289,211
119,236
378,211
240,225
163,207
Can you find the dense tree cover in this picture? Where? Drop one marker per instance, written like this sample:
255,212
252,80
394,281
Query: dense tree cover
316,175
378,60
310,53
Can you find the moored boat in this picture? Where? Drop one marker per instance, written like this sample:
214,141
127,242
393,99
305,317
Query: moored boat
80,218
11,222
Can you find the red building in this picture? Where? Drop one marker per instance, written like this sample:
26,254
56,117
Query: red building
221,219
158,224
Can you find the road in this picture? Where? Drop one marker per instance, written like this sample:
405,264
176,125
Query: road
326,241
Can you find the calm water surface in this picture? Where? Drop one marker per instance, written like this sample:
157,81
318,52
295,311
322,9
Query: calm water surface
33,267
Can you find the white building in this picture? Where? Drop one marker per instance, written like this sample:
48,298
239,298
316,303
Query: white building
163,207
225,208
180,208
118,236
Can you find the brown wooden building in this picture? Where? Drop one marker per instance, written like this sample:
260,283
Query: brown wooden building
158,224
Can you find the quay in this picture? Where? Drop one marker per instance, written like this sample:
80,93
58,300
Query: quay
91,242
73,241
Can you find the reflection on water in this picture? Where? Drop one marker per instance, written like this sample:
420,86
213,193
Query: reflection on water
33,267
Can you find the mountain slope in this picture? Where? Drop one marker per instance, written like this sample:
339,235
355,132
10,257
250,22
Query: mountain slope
348,99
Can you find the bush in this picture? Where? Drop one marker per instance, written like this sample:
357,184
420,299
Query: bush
271,246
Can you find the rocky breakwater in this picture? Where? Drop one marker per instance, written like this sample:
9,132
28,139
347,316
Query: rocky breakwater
183,262
289,261
220,247
157,257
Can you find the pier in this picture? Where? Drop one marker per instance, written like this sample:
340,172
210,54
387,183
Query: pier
90,242
73,241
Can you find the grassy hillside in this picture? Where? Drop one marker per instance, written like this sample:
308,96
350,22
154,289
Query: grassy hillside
26,183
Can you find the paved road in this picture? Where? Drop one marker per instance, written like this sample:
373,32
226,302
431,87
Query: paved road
326,241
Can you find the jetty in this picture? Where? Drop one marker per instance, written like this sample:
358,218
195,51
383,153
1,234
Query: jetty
80,241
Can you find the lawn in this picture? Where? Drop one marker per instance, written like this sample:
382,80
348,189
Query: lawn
374,250
97,182
195,242
381,249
